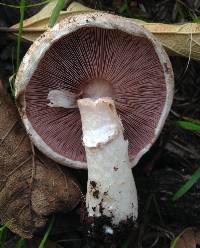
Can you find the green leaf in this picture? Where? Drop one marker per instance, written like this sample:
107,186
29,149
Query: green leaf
188,125
194,178
44,240
56,11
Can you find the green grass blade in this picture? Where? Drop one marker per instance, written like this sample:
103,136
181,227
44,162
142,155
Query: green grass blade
189,125
19,38
173,243
42,243
3,235
20,243
55,13
194,178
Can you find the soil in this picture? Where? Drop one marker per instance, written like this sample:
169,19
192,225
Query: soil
169,163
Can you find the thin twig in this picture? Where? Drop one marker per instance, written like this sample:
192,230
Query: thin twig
15,30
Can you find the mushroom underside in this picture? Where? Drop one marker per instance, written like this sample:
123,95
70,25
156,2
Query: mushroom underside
96,62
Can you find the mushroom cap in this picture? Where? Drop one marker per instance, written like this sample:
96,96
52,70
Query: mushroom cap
84,50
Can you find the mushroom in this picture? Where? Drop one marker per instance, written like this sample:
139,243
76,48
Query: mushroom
102,77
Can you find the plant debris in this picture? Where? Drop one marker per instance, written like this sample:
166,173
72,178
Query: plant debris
31,186
189,238
181,39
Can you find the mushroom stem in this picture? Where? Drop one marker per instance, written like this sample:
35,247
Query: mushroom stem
111,190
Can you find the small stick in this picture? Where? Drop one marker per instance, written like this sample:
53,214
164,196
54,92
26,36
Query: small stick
15,30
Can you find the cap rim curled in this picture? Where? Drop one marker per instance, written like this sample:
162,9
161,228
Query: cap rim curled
67,26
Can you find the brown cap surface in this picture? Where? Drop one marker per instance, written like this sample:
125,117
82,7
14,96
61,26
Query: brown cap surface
77,56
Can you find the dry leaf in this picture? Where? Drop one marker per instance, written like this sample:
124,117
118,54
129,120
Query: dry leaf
31,186
181,39
37,24
189,239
